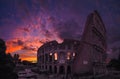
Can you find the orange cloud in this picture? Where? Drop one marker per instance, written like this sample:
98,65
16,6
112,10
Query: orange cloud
26,49
29,36
11,47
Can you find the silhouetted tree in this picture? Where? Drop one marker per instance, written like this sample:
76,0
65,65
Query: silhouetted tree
114,63
6,63
9,56
25,62
16,58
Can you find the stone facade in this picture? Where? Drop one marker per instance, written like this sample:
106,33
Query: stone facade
92,51
78,57
57,58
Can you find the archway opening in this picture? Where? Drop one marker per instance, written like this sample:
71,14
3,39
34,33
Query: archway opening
61,70
50,69
55,69
68,70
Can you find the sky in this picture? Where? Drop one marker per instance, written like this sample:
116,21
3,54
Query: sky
25,25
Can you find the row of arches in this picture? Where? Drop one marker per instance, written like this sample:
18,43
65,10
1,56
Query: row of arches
61,70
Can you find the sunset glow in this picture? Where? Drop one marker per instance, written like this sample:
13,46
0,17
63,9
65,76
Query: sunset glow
25,25
13,48
32,59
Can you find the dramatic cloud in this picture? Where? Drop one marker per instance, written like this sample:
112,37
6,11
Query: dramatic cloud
27,24
68,30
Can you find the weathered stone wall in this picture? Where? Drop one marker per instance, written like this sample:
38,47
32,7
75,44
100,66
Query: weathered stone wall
92,51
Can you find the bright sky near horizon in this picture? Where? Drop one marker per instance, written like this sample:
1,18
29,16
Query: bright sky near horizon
27,24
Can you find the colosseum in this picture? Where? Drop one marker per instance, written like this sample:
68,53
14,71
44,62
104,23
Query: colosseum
92,51
57,57
77,57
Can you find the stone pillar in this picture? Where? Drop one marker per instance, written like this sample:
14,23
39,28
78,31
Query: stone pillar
57,69
65,66
52,58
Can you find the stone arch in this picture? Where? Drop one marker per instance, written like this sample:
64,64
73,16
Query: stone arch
40,67
46,67
62,57
68,69
61,70
55,69
50,69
